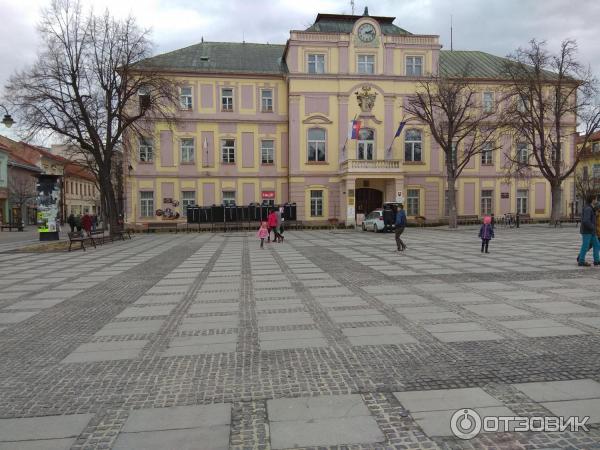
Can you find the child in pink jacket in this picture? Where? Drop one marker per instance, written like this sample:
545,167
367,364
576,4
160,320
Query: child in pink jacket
262,233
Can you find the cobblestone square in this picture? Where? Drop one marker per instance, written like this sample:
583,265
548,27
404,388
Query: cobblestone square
330,340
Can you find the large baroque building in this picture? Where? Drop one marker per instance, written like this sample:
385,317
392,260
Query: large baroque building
261,122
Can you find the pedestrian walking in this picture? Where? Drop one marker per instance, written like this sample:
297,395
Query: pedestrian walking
588,230
78,222
262,233
94,222
400,224
86,223
272,224
71,222
486,233
279,227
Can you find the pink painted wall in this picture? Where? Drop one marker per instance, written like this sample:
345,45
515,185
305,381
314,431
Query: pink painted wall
343,50
294,135
316,104
208,192
267,128
284,194
207,95
227,128
389,61
166,148
208,153
343,128
506,148
504,202
187,127
469,198
247,96
248,197
247,149
389,128
292,58
284,150
540,198
168,191
435,156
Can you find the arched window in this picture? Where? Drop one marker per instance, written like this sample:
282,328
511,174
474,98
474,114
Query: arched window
366,142
412,145
316,144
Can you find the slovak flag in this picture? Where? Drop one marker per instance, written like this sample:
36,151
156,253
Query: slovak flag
400,127
353,129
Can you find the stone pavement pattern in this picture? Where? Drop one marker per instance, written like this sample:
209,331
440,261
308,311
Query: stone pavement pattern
330,340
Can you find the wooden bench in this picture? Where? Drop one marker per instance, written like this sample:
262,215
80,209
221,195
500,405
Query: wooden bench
162,226
120,232
17,226
471,219
78,236
524,218
98,235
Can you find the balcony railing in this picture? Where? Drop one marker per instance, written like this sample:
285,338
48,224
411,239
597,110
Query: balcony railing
362,165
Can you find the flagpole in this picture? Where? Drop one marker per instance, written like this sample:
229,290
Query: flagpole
395,136
344,147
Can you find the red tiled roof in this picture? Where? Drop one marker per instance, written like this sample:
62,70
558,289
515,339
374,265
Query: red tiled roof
75,170
594,137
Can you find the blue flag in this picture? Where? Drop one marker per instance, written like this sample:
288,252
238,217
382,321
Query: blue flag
400,128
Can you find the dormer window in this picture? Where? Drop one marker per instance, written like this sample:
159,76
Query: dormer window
316,63
414,66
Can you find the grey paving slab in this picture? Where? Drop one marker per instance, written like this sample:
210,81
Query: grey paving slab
489,286
437,423
220,338
576,408
48,427
146,311
281,344
178,417
552,331
402,299
562,308
214,438
463,297
465,336
446,399
129,327
42,444
523,295
330,292
60,294
15,317
340,301
546,391
158,299
574,293
497,310
111,345
384,339
591,321
284,319
287,335
34,304
199,308
454,327
196,349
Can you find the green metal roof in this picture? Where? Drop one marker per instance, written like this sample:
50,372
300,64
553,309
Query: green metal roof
475,64
338,23
221,57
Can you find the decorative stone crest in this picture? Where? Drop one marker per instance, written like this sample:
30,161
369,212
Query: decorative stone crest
366,99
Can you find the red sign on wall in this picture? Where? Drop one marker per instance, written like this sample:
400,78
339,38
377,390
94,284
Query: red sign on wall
268,195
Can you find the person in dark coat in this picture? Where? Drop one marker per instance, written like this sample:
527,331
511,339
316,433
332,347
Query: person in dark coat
78,222
71,221
588,234
486,233
400,225
94,222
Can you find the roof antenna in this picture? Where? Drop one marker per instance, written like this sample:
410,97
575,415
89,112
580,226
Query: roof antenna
451,46
243,37
366,13
202,39
352,6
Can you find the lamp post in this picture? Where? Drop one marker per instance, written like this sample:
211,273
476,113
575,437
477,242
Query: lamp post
8,121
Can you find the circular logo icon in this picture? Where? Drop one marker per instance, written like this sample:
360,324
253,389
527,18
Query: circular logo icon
465,424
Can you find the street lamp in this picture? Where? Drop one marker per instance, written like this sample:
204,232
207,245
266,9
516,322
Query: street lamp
7,120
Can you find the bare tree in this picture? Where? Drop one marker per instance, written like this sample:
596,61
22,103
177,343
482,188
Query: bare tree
85,88
550,96
21,191
457,121
587,187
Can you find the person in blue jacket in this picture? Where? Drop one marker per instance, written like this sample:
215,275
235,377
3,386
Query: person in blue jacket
400,224
588,234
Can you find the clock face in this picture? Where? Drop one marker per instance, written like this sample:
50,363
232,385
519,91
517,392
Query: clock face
366,32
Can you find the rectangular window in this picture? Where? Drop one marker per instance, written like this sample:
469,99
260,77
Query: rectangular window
414,66
486,202
227,99
228,151
596,171
316,63
185,98
487,155
316,203
366,64
521,107
229,198
316,145
187,150
596,147
266,151
412,145
266,100
188,198
146,149
147,204
413,202
522,153
522,200
488,102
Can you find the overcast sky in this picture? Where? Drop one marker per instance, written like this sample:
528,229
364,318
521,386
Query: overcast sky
494,26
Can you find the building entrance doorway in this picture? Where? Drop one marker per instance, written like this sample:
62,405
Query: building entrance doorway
368,199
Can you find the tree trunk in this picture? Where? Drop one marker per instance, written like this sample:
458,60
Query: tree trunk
556,212
452,202
110,200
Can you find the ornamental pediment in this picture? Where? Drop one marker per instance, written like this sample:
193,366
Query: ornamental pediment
317,119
